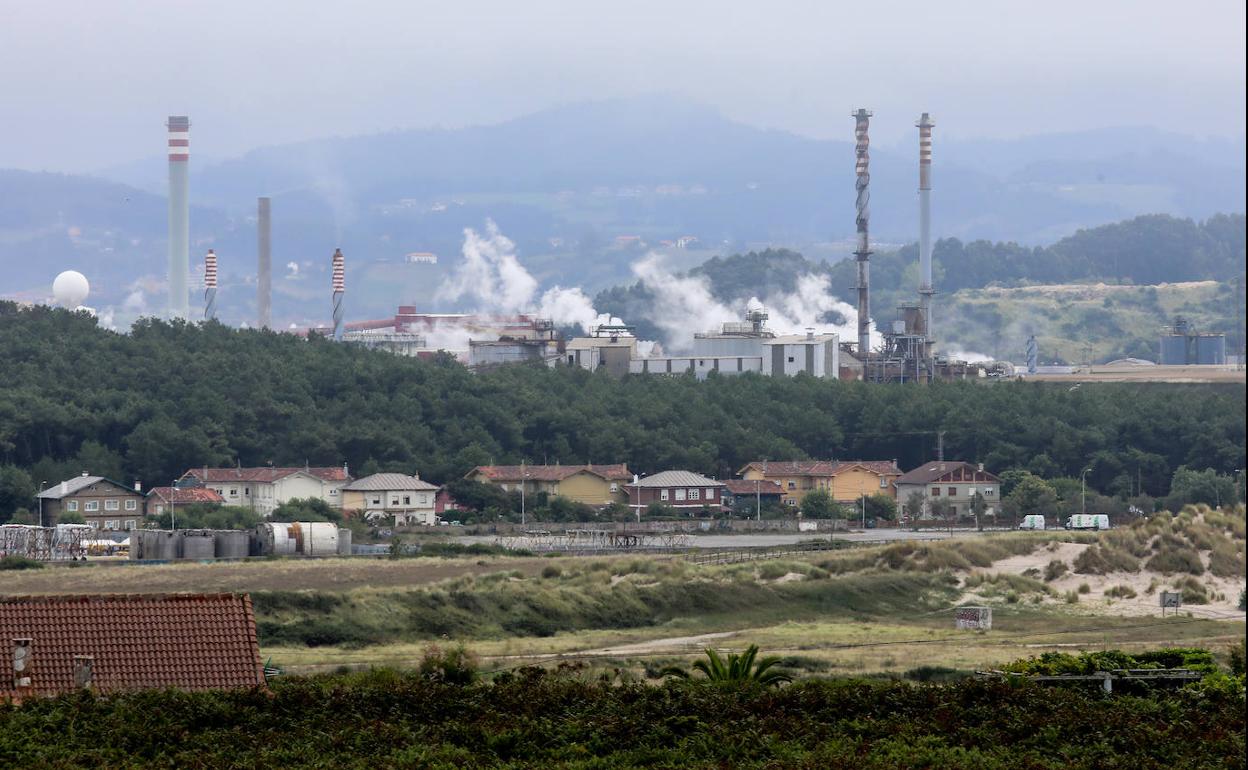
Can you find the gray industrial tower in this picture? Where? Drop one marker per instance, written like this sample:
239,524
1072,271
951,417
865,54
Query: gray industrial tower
210,285
264,274
339,277
179,215
925,125
862,209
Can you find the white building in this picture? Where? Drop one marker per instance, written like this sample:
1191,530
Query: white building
818,355
409,499
263,489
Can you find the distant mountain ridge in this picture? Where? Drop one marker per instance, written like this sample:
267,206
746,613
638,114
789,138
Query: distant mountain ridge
563,183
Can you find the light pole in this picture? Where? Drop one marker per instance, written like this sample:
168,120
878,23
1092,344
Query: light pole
173,516
1083,489
42,484
758,502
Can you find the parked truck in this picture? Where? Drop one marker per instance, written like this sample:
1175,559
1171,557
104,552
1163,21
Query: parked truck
1032,521
1088,521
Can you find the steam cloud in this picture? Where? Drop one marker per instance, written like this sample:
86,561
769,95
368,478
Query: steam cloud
493,280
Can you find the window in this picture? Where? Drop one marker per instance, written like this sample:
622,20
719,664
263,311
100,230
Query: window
132,505
935,491
662,494
72,505
394,501
710,494
792,484
110,524
790,501
233,491
246,490
129,524
93,524
695,494
790,359
680,494
333,492
112,505
953,491
376,500
883,482
615,487
988,491
91,505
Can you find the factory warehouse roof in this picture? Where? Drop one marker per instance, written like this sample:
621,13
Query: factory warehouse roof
130,642
677,479
390,482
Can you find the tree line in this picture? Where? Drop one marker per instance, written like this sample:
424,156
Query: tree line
147,405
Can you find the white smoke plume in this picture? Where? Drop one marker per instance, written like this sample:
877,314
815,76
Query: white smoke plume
492,278
812,300
682,304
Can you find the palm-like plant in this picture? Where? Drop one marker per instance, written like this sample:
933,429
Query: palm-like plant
736,669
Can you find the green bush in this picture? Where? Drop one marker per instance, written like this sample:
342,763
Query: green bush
1120,592
1192,589
1054,570
19,562
1176,559
1104,559
1084,588
552,571
1226,560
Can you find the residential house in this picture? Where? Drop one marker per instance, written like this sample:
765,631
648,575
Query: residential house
103,503
751,494
588,484
161,499
263,489
409,499
683,490
846,481
954,483
111,643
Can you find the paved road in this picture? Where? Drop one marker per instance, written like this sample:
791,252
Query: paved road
765,539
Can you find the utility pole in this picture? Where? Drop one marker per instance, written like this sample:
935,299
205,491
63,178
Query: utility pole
42,484
758,501
940,446
522,485
173,516
1083,489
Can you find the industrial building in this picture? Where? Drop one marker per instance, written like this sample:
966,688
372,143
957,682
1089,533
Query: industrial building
1182,345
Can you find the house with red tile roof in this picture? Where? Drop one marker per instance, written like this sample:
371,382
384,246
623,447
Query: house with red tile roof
263,489
588,484
160,498
113,643
845,480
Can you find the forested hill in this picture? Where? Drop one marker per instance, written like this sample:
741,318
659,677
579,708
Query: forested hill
1145,250
150,404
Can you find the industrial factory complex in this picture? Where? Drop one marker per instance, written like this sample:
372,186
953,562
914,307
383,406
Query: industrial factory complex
905,351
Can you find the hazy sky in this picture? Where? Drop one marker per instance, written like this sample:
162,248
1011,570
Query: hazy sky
87,84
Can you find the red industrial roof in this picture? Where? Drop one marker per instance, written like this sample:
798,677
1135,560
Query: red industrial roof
265,474
137,641
186,495
551,472
822,467
746,487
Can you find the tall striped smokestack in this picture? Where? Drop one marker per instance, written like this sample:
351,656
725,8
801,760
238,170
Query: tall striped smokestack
264,275
862,209
210,285
925,125
340,288
179,215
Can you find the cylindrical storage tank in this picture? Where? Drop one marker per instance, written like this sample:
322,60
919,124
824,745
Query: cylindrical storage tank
198,546
1211,349
231,543
344,542
164,545
317,538
1173,350
276,538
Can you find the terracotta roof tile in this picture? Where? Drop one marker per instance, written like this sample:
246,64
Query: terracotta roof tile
616,472
746,487
821,467
186,495
265,474
138,641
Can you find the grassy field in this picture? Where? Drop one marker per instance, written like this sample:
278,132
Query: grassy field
879,609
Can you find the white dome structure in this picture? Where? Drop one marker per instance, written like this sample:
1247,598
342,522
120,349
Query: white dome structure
70,289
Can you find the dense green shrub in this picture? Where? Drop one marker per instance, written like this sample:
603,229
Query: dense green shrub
19,562
1054,570
1120,592
1176,559
531,718
1104,559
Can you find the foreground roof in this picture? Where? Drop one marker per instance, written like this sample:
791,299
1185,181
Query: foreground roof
137,641
265,474
390,482
946,471
822,467
616,472
677,479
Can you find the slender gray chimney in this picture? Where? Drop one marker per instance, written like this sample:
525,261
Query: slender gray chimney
210,285
339,280
862,215
264,275
179,215
925,125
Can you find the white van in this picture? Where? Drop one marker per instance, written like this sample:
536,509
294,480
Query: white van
1032,521
1088,521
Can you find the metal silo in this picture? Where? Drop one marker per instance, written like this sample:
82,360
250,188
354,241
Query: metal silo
317,538
344,542
1173,350
1211,349
231,543
198,545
